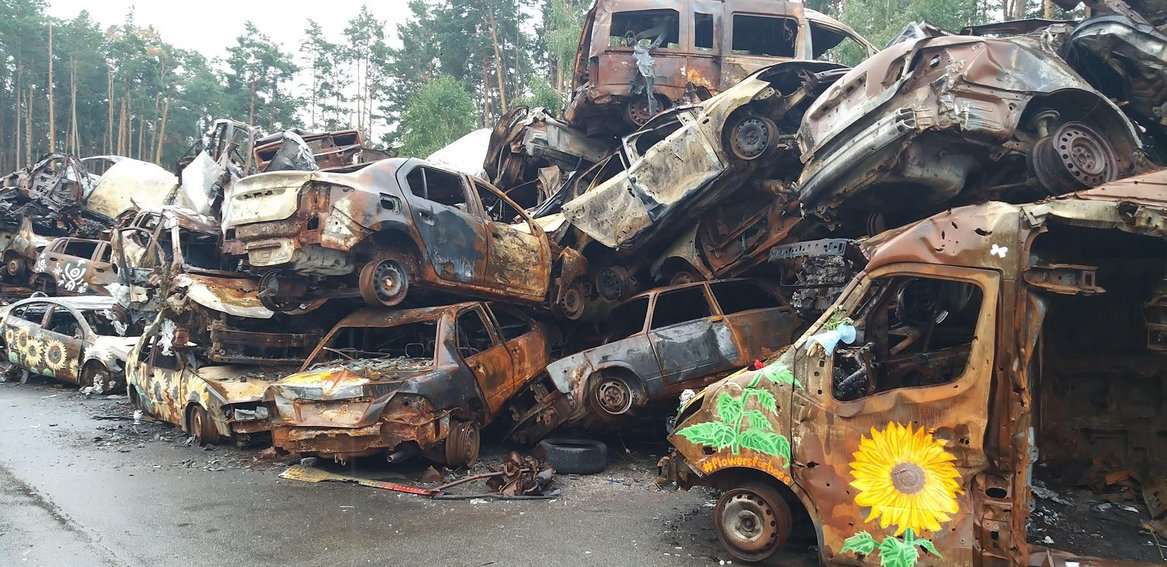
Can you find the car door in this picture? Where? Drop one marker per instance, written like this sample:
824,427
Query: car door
165,388
524,341
62,342
485,356
759,321
22,334
902,410
452,232
691,340
756,40
101,271
518,261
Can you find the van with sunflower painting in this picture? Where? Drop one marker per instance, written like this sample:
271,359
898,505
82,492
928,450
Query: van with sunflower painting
979,349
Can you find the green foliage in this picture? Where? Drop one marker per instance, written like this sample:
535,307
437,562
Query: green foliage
438,114
542,94
893,551
742,423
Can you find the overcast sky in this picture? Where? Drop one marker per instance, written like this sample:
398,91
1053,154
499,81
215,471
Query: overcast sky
211,25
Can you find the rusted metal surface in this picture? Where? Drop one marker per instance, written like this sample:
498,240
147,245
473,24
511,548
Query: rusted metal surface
172,380
1018,366
383,228
656,361
408,381
631,48
937,119
685,160
329,149
51,193
78,339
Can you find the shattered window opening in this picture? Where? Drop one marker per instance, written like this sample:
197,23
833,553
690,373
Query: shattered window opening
703,31
497,209
34,313
679,306
473,335
835,46
104,323
413,341
764,35
914,331
660,28
627,319
738,296
63,322
80,248
511,324
437,186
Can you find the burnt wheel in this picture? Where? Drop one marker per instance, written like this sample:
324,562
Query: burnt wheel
612,395
269,294
200,426
462,444
751,137
636,111
98,377
384,282
684,277
45,285
574,302
752,521
1074,157
16,269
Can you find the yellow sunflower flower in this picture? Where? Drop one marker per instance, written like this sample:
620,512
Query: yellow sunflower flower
55,355
33,354
906,478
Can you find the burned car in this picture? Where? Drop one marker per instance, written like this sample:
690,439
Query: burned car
979,348
52,194
687,159
668,339
378,231
171,378
637,57
75,339
169,260
936,120
21,249
74,266
411,381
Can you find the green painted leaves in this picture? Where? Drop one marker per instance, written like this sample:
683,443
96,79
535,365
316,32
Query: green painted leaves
742,421
777,373
893,551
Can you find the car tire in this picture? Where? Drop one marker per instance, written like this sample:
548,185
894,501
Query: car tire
384,282
462,444
94,374
752,521
200,426
575,456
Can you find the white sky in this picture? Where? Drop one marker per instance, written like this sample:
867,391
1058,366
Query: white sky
210,26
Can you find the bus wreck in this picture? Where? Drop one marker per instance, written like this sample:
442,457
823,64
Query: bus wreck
979,347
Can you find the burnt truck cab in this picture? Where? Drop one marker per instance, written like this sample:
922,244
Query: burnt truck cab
688,50
665,340
980,348
404,382
377,230
937,120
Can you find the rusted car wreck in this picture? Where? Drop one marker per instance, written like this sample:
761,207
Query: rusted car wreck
409,382
907,419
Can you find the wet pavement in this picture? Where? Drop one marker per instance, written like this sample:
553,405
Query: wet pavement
81,484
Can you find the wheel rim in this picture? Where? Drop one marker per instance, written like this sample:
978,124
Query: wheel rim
637,111
462,445
196,426
388,282
572,303
15,267
750,138
613,396
748,524
1074,157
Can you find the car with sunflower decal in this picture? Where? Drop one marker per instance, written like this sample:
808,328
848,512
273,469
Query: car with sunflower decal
173,380
979,349
74,339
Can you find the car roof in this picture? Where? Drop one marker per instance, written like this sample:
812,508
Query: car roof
392,317
79,302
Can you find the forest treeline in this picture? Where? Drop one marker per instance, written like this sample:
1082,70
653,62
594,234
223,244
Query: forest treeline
454,65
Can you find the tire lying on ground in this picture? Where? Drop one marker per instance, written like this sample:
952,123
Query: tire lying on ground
575,456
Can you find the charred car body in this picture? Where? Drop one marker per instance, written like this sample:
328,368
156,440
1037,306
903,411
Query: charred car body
638,57
74,266
170,260
976,344
665,340
171,378
938,119
378,230
410,381
78,339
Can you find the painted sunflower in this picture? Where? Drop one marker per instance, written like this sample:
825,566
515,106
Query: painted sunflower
55,355
906,478
33,354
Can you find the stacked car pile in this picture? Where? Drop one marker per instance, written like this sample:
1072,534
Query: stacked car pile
721,194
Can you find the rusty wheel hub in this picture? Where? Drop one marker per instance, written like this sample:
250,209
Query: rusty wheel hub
1074,157
384,282
751,137
636,112
749,523
613,396
14,267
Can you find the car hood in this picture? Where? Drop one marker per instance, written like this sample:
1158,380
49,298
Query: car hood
352,379
239,384
119,347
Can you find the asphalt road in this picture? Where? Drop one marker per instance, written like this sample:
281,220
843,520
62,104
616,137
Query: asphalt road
78,490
